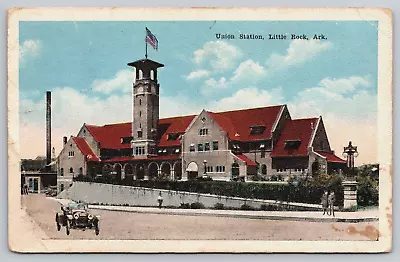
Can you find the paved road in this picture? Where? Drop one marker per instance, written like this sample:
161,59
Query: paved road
125,225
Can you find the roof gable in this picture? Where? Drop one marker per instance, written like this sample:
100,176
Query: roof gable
295,130
237,124
85,149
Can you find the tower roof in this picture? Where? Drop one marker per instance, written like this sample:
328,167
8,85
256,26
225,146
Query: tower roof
143,63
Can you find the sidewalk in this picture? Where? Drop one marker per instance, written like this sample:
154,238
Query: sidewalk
350,217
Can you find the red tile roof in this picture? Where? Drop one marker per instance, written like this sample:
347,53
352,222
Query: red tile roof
85,149
109,136
246,160
298,129
172,125
128,159
237,123
331,157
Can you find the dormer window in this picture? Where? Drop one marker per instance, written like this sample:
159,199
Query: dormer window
177,150
257,130
292,144
262,146
173,136
126,140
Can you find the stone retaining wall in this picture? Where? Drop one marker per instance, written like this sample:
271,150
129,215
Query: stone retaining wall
107,194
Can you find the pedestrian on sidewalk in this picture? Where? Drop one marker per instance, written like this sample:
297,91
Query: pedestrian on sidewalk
160,200
324,202
331,201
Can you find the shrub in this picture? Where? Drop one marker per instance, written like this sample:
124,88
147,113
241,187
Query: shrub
219,206
246,207
185,205
196,205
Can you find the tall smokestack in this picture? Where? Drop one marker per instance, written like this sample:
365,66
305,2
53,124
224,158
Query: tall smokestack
48,127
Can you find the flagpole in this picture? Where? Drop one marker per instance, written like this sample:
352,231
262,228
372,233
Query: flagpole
146,50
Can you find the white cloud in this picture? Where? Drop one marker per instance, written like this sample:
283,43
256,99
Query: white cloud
211,85
248,98
343,85
351,117
299,52
198,74
218,54
122,81
248,70
29,49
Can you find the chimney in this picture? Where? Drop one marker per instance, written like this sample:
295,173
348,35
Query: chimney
65,140
48,127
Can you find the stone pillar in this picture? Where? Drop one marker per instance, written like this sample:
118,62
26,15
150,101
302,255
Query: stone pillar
172,175
122,173
350,194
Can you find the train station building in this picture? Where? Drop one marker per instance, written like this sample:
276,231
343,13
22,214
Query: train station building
248,144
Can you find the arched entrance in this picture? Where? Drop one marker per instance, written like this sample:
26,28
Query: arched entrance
153,171
140,172
128,172
178,170
166,170
192,170
235,171
118,172
263,169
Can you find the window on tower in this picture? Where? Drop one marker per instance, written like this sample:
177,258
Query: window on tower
140,102
139,133
139,150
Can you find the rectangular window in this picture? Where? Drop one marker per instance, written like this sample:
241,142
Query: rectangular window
262,153
139,133
220,169
207,146
199,147
192,148
203,131
139,150
215,145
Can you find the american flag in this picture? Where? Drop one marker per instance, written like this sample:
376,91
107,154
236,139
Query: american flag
151,39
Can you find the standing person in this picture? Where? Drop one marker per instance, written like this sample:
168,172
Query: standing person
331,201
324,202
160,200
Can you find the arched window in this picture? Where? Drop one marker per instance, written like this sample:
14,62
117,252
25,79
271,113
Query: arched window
264,169
140,74
152,74
80,171
71,170
62,172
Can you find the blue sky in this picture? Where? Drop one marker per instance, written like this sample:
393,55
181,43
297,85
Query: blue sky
84,64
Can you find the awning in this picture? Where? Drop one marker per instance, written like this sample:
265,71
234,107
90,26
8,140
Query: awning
192,167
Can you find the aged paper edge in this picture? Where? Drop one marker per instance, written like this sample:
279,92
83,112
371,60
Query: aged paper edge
384,139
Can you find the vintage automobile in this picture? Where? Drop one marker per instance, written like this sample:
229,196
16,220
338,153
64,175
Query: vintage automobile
77,216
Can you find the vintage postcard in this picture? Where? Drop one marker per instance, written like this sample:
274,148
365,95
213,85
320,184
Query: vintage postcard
190,130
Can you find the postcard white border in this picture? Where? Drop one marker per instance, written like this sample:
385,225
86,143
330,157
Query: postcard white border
384,139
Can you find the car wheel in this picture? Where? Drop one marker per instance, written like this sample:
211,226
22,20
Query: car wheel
67,228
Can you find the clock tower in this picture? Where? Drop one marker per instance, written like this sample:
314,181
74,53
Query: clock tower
146,101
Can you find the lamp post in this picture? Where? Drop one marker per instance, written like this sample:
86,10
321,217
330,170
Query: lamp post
205,168
350,152
350,183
